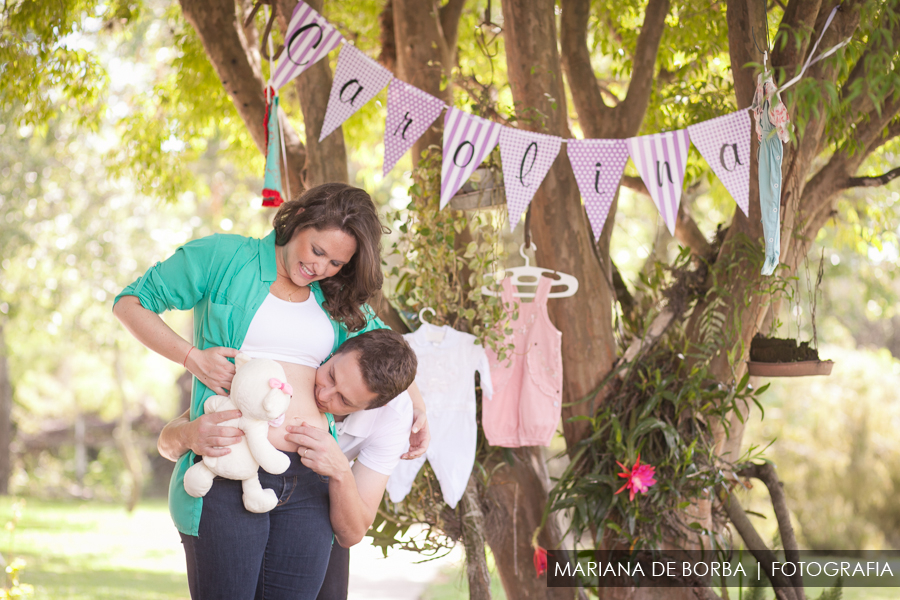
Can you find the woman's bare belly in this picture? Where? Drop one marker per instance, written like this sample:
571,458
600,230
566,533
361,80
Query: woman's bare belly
302,407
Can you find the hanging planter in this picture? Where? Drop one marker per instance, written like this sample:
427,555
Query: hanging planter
775,357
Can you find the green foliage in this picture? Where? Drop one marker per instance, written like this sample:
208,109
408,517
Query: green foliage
13,586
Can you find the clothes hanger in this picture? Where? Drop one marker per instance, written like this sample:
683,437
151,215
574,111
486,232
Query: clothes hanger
433,333
530,276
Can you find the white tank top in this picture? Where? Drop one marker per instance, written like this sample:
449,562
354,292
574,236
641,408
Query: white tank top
292,332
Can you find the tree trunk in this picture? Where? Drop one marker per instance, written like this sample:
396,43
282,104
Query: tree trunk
473,539
6,400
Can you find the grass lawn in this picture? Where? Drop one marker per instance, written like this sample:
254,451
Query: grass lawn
95,551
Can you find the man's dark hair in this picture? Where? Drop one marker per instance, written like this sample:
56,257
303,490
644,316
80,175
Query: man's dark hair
387,363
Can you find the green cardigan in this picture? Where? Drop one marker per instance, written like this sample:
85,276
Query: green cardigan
224,278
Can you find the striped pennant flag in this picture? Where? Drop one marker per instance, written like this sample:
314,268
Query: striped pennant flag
310,37
467,140
661,159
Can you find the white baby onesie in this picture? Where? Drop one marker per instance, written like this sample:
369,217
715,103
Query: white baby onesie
448,360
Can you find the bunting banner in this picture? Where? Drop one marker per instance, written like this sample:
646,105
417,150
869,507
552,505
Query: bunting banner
357,78
410,112
467,141
725,144
309,38
526,158
598,167
661,159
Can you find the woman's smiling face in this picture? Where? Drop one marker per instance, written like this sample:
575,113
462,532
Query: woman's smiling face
313,255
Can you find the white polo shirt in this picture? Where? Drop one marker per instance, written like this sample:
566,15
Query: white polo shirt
377,437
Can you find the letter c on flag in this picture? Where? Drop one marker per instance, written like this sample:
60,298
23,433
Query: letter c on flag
300,32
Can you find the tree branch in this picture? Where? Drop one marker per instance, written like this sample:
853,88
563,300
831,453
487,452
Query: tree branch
876,181
449,18
221,32
766,473
799,16
758,548
687,232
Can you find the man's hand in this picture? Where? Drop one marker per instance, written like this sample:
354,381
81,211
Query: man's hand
212,367
319,451
419,436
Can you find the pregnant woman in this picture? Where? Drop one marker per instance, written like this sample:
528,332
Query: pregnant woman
295,295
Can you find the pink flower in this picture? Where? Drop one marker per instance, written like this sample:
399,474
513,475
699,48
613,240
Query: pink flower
540,560
640,478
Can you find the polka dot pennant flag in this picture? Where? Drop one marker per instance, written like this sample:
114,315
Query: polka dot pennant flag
598,167
310,37
661,159
725,144
410,112
467,140
357,78
526,158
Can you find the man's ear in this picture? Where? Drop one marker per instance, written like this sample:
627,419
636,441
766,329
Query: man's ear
240,360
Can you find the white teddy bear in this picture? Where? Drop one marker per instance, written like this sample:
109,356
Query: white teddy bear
260,391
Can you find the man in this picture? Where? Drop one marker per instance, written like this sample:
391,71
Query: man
356,377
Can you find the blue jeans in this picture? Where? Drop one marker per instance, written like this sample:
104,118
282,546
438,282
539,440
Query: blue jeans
279,555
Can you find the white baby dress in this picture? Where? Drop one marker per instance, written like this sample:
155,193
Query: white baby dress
448,360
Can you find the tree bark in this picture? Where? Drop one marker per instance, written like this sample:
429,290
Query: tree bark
473,539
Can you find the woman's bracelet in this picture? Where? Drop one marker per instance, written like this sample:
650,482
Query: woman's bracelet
184,364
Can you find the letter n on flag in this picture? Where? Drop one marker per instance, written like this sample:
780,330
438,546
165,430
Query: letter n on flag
410,112
526,158
661,159
309,38
725,144
357,78
467,140
598,167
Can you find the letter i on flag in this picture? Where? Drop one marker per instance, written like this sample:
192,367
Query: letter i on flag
410,112
725,144
357,78
272,194
661,159
309,38
598,167
526,158
467,140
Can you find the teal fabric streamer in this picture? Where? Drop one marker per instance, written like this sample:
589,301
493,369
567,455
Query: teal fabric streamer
272,192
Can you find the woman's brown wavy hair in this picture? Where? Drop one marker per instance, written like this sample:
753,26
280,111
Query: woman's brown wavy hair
351,210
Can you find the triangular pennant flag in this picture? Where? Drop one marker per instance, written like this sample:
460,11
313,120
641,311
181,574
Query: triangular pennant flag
410,112
467,140
357,78
272,194
526,158
598,167
661,159
725,144
309,38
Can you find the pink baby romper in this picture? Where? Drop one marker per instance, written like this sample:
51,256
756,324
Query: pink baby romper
527,401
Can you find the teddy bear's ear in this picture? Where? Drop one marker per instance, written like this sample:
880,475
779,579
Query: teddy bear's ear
240,360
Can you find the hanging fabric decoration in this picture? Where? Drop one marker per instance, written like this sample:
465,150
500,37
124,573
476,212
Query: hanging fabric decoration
410,112
772,129
661,159
467,140
357,78
725,144
598,167
526,158
272,193
309,38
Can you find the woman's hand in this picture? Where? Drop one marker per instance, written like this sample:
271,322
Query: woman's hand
212,367
419,436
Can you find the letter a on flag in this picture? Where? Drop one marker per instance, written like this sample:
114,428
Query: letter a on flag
725,144
309,38
410,112
467,140
598,167
357,78
661,159
526,158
